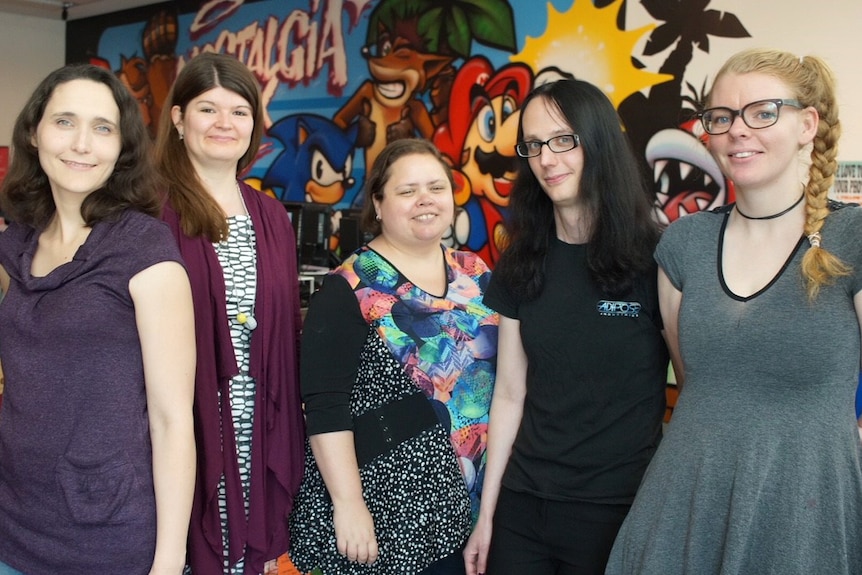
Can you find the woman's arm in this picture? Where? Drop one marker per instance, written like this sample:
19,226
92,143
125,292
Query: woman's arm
4,282
163,311
857,304
507,407
332,341
335,455
669,300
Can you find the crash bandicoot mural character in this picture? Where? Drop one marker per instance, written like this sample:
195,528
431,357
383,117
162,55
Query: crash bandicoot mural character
410,47
388,107
150,77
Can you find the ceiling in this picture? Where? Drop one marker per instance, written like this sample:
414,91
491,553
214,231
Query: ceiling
75,9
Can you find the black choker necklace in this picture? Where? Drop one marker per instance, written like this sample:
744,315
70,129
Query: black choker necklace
773,216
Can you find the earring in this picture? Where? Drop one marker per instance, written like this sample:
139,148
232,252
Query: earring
181,134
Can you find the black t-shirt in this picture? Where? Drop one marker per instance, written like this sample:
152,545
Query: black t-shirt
596,377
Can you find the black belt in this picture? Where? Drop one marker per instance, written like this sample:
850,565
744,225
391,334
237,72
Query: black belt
382,429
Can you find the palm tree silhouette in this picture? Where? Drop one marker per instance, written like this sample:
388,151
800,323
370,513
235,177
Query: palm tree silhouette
688,23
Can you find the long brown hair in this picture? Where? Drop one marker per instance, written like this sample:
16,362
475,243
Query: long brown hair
200,214
813,84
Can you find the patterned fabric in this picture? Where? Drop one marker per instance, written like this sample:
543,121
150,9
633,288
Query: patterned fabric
238,258
417,404
447,345
278,426
414,492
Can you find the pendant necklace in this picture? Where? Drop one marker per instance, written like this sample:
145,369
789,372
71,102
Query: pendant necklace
245,319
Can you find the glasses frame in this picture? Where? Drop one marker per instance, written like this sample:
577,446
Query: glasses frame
575,138
779,103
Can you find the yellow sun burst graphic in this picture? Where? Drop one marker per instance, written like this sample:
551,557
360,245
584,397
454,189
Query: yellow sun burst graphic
585,42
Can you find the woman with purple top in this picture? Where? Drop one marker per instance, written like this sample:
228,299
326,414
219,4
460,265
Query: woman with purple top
97,343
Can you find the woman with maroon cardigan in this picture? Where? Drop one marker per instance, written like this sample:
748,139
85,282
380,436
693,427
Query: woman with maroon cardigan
239,248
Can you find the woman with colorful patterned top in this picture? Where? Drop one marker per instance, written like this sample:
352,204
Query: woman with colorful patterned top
398,366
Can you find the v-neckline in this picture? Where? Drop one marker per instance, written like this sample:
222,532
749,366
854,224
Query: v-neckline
720,265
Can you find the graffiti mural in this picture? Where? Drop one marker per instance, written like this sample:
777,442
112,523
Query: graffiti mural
341,78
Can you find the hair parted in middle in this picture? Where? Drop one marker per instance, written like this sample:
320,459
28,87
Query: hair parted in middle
381,171
612,189
26,193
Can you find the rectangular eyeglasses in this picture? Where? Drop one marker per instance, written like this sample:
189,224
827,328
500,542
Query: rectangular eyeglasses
557,144
756,115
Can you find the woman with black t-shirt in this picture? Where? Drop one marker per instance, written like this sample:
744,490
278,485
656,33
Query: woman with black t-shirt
579,399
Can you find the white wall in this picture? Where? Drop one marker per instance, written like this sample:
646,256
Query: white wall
30,48
826,28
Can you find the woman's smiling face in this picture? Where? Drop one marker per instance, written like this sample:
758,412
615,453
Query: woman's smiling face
559,174
754,158
418,204
78,138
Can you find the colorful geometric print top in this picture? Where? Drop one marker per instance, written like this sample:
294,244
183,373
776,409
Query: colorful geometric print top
447,345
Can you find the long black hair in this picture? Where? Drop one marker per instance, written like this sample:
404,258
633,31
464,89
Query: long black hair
623,233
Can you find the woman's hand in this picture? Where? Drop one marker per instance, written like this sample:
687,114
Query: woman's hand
335,455
354,531
476,550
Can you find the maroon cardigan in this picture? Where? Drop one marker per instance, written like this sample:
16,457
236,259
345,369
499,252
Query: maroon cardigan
278,432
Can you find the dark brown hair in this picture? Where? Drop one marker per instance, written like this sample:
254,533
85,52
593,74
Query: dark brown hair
199,213
381,171
26,193
612,188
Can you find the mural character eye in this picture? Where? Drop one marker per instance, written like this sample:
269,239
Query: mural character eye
509,108
348,167
324,174
487,123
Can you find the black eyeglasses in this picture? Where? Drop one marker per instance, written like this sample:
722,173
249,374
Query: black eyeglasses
756,115
557,144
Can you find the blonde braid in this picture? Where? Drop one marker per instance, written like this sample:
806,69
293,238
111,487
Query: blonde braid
819,267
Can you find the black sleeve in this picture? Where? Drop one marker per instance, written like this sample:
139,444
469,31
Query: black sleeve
333,336
500,299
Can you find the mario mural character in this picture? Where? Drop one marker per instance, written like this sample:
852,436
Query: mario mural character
479,139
